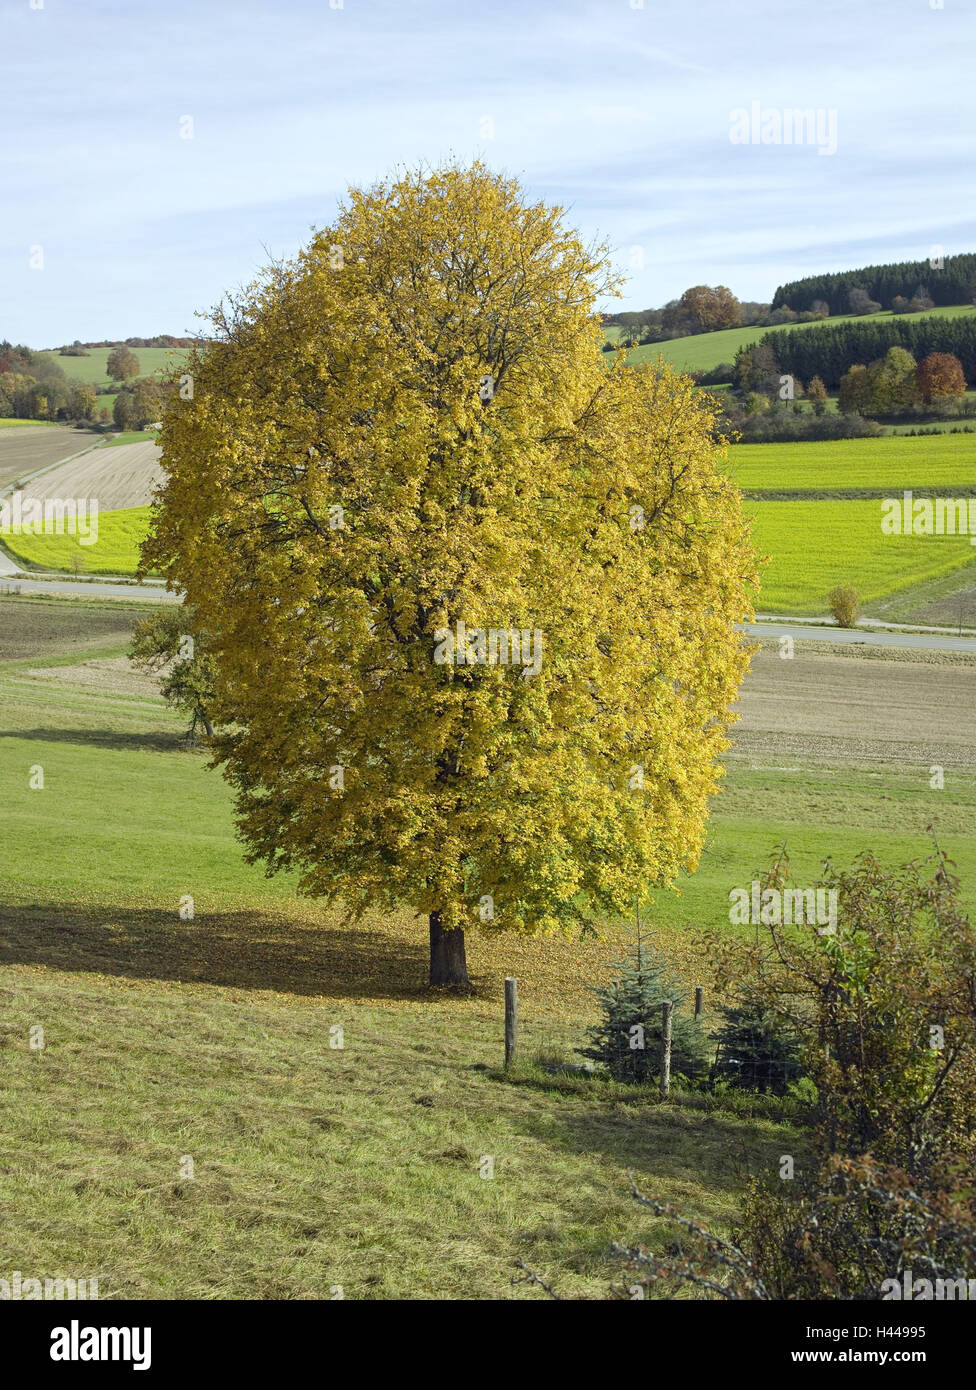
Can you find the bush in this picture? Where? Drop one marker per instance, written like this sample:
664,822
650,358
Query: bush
844,1232
862,303
784,314
883,1008
845,605
715,376
882,1004
627,1040
756,1052
781,427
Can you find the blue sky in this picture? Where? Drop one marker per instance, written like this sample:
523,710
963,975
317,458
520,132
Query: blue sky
618,110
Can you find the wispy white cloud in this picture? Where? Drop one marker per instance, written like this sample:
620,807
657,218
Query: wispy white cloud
619,112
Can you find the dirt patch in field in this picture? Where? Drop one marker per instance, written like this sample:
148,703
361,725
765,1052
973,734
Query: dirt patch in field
124,476
817,708
114,675
954,609
24,449
36,628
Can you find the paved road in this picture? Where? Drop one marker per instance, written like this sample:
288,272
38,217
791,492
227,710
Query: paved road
929,641
152,593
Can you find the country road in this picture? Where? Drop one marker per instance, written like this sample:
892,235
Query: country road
927,641
12,582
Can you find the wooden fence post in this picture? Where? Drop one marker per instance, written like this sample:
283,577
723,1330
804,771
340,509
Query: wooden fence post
511,1019
667,1009
699,996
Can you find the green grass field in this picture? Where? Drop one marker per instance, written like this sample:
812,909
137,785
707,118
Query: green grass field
9,424
115,552
705,351
896,462
816,545
132,437
93,368
315,1166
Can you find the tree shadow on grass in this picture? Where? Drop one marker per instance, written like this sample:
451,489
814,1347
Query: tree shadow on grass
243,950
688,1138
159,741
715,1149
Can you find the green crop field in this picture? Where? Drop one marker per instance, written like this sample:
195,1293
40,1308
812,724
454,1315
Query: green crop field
704,351
814,546
93,368
895,462
8,424
115,552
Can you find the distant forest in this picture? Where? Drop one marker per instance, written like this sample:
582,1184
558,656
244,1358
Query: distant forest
162,340
954,283
827,350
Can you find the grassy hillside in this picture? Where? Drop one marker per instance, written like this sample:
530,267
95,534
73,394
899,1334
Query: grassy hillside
93,368
314,1166
705,351
211,1039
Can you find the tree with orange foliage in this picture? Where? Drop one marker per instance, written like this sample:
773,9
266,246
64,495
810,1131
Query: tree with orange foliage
940,377
710,307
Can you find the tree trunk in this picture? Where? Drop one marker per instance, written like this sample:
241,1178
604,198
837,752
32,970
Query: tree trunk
447,962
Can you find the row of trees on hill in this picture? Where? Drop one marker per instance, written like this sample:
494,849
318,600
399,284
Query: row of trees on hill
31,386
767,402
829,350
898,384
162,340
888,386
953,283
906,288
701,309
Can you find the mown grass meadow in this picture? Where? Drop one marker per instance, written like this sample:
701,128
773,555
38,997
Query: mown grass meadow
212,1040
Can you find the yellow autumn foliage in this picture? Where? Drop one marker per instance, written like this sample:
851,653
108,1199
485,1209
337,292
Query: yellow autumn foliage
411,427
